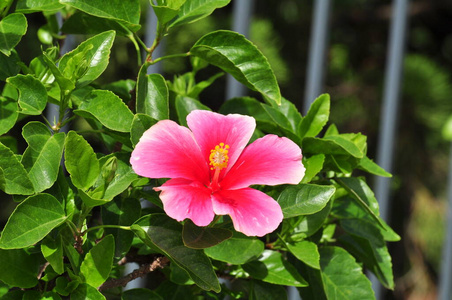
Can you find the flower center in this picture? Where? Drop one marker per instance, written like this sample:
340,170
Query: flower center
219,157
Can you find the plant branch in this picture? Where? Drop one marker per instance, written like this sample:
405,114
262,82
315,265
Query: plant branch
158,263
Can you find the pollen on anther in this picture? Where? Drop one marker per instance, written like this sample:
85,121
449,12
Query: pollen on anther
219,157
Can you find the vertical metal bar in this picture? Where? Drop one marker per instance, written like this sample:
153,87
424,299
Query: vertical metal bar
149,36
388,116
317,51
242,12
445,279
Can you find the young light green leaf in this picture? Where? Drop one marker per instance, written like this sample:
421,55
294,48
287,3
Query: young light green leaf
31,221
19,268
168,11
161,232
203,237
108,109
12,28
14,176
334,145
368,165
140,124
184,105
52,250
342,276
249,66
8,114
98,261
313,165
316,117
152,95
194,10
42,157
307,252
80,161
304,199
32,94
271,267
126,12
31,6
237,250
89,60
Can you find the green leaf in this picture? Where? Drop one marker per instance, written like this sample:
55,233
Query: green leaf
334,145
126,12
366,242
122,176
91,200
140,124
121,211
316,117
19,268
53,253
139,294
89,60
194,10
168,11
184,105
64,83
9,65
108,109
304,199
161,232
14,176
32,94
80,161
8,114
31,6
43,155
12,28
307,252
97,264
249,66
82,23
368,165
271,267
310,224
85,291
237,250
31,221
152,95
313,165
203,237
342,276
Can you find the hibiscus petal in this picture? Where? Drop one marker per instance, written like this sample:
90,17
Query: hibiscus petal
252,212
270,160
183,199
167,150
211,129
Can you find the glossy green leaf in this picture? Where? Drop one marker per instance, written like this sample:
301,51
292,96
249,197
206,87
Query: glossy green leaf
8,114
127,12
342,276
179,276
89,60
161,232
304,199
184,105
9,65
313,165
85,291
52,249
316,117
334,145
168,11
152,95
310,224
140,124
203,237
366,242
31,221
64,83
43,155
80,161
97,264
14,176
140,293
31,6
194,10
307,252
83,23
32,94
271,267
291,112
237,250
19,268
249,66
91,200
368,165
124,212
122,176
108,109
12,28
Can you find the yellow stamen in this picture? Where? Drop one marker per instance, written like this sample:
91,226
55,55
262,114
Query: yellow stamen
219,157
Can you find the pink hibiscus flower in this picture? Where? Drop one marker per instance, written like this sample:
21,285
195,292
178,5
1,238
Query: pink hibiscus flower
211,170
